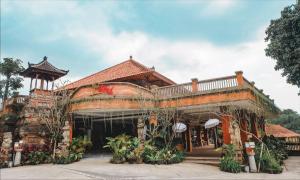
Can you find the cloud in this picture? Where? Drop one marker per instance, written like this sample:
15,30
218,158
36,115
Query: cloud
218,7
211,7
183,60
88,26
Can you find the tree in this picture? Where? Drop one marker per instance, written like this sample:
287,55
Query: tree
55,115
283,35
10,70
289,119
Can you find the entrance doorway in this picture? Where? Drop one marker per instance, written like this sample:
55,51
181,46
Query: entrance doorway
98,130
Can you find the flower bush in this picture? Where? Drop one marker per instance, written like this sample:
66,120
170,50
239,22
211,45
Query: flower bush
36,154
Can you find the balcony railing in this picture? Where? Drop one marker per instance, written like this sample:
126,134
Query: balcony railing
18,99
210,85
199,86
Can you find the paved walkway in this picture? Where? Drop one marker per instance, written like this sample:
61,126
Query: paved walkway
100,168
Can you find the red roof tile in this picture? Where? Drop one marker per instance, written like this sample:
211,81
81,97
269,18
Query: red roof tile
279,131
125,69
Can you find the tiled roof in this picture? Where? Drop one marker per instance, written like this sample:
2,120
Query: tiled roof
279,131
125,69
45,65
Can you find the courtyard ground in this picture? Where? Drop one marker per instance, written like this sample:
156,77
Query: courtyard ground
98,167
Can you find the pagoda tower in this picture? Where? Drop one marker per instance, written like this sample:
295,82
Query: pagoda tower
44,73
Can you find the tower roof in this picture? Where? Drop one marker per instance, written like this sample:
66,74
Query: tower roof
44,70
125,70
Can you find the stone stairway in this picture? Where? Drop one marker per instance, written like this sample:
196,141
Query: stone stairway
213,161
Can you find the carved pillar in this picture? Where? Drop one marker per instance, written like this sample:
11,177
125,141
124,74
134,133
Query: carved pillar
225,128
140,129
6,148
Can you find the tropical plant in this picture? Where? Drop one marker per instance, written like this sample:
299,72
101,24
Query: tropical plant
119,146
135,151
154,155
266,160
76,149
228,162
277,147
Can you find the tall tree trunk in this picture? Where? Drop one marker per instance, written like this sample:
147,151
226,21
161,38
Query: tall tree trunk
5,95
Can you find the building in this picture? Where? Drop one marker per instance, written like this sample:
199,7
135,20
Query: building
291,138
124,99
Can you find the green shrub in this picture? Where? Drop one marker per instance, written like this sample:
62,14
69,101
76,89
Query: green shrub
128,149
38,157
268,162
135,151
76,150
153,155
277,147
228,162
119,146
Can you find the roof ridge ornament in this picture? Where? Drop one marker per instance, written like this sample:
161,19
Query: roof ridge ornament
45,58
130,57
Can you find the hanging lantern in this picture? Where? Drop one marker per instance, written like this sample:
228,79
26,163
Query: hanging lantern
179,127
211,123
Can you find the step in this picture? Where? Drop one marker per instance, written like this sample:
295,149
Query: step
212,163
202,158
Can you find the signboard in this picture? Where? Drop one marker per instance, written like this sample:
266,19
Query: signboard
105,89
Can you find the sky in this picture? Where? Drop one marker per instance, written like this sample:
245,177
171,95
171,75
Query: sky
182,39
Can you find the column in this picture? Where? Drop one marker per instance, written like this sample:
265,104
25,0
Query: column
71,127
239,78
254,128
189,138
47,85
225,128
52,85
30,84
36,78
199,135
194,85
42,84
244,129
